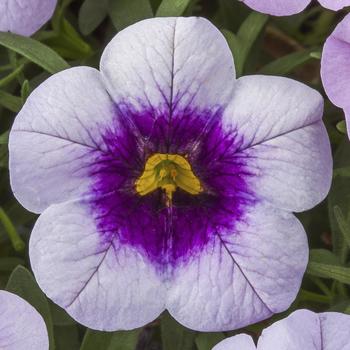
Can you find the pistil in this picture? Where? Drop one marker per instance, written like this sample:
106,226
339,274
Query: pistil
168,172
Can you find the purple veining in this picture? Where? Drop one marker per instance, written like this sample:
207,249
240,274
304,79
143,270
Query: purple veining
168,236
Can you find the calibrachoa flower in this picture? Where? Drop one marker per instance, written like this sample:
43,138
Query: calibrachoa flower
302,330
21,326
291,7
25,17
163,182
335,71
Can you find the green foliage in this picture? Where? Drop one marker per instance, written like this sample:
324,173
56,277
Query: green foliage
34,51
124,340
76,35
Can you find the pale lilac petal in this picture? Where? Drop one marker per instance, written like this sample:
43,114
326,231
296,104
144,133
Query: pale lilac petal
21,326
243,276
304,329
25,17
335,69
169,64
56,137
239,342
278,7
334,4
100,282
284,142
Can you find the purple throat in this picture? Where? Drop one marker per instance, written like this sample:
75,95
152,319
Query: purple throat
168,236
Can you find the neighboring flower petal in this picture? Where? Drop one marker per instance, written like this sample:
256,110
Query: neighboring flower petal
104,285
334,4
56,135
284,139
169,64
239,342
304,329
223,288
301,330
335,70
25,17
21,326
278,7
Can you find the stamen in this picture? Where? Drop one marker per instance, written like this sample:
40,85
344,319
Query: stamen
167,172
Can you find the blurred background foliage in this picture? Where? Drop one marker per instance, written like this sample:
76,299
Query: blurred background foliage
77,35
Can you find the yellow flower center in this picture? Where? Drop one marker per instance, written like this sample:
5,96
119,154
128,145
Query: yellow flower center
167,172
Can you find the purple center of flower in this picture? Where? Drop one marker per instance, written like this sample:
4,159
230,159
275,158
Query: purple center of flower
169,234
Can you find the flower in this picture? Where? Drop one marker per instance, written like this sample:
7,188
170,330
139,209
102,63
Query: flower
25,17
287,8
22,327
301,330
165,183
335,70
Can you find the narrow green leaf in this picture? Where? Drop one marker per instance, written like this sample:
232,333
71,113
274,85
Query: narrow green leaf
242,43
123,340
4,138
12,103
343,223
343,172
25,91
12,76
206,341
172,8
286,64
67,338
325,264
22,283
34,51
175,336
126,12
91,15
11,231
338,197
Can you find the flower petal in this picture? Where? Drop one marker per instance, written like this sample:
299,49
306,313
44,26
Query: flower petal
56,135
304,329
223,288
278,7
335,5
169,63
239,342
103,284
25,17
335,70
283,136
22,327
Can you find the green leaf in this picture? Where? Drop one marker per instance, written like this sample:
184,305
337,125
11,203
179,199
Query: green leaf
34,51
12,76
325,264
91,15
174,335
12,103
22,283
242,43
67,338
344,224
4,138
286,64
123,340
126,12
340,197
206,341
172,8
341,126
25,91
